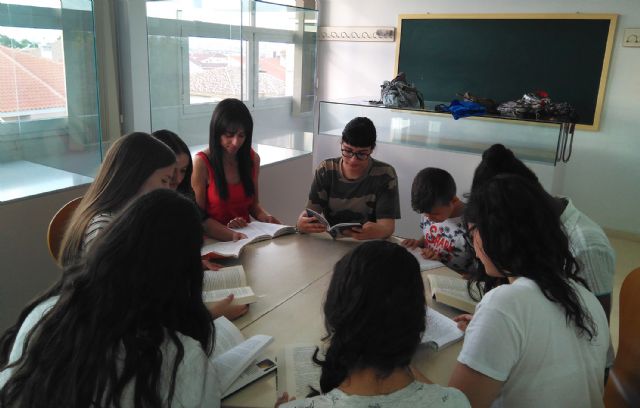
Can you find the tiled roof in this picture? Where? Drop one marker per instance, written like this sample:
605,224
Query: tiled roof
29,82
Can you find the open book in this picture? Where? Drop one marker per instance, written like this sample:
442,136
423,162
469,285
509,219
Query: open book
297,373
335,230
217,285
237,361
255,231
441,331
452,291
425,264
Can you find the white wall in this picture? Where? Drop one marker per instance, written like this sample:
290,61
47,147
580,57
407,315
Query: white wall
27,268
603,175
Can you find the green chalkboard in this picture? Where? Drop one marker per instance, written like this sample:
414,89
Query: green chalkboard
503,56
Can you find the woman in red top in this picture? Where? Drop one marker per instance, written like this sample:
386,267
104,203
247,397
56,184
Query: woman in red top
225,176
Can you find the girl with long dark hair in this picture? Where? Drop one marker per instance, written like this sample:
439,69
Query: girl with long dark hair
541,338
135,164
374,317
225,176
128,327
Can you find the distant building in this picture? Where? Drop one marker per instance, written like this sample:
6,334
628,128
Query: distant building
31,87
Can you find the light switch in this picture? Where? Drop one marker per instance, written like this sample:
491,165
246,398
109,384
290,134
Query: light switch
631,37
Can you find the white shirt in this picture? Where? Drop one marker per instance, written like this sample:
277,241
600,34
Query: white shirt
591,248
196,382
414,395
447,239
520,337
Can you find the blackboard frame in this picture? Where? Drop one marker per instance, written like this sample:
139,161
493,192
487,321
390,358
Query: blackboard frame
606,57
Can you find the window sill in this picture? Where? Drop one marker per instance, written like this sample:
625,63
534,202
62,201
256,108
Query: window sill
23,179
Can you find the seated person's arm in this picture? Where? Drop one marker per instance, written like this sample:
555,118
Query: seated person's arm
387,211
605,301
383,228
225,308
218,231
310,225
256,209
480,389
413,243
597,267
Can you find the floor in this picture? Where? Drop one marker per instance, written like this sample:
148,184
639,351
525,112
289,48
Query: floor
627,259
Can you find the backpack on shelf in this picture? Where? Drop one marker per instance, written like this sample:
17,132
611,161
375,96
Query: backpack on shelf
397,93
538,105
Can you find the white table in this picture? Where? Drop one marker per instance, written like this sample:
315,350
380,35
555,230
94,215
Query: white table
293,273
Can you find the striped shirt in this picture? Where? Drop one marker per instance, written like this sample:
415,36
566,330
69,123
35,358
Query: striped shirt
97,224
591,248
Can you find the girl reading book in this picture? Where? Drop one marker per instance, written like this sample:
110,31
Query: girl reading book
225,175
375,316
181,182
125,326
135,164
540,338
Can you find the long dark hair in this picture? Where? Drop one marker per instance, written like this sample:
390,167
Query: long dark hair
139,285
497,159
178,146
521,233
229,116
374,312
127,165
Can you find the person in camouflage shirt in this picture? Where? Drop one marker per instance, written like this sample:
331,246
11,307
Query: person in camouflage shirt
355,188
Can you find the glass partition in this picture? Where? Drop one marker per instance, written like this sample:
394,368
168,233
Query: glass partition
49,113
201,52
532,141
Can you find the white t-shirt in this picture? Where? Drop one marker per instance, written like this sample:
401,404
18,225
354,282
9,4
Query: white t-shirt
447,239
414,395
196,382
521,338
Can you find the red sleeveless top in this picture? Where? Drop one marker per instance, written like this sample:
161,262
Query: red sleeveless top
237,203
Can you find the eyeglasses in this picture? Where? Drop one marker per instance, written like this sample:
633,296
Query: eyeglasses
359,155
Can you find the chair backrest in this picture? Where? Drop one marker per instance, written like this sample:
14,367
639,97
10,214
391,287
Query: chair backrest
623,387
58,226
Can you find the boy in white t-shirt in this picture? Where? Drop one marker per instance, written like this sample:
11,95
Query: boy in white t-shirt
433,194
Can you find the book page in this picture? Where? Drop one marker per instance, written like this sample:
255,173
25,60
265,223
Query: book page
258,368
229,248
232,363
273,230
241,296
254,231
227,336
425,264
225,278
441,331
296,370
453,292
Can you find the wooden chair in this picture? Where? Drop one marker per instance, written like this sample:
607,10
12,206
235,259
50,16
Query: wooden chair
58,226
623,387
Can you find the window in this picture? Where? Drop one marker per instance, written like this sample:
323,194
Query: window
259,52
49,122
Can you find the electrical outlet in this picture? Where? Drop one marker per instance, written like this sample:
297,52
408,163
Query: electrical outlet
631,37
